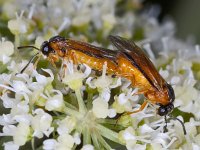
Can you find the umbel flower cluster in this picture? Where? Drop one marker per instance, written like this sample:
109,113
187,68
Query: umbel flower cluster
74,107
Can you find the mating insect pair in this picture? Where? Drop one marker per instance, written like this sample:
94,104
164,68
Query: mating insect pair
129,62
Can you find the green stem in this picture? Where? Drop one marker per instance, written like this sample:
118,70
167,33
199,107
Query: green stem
107,133
17,42
81,104
103,142
86,136
71,112
89,100
95,141
33,144
70,105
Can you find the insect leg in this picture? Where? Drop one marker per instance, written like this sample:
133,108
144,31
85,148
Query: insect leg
140,109
73,58
129,113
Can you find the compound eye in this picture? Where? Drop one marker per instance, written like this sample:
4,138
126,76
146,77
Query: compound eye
162,111
45,48
170,107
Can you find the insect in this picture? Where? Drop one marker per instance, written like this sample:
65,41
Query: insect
129,62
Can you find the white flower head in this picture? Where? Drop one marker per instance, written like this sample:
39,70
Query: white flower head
104,83
20,86
19,25
65,141
55,102
8,130
9,102
41,123
130,137
43,80
74,78
21,133
10,146
50,144
6,119
88,147
66,125
77,138
126,100
17,67
20,112
6,50
100,108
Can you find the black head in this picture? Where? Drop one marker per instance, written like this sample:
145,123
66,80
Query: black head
164,110
46,48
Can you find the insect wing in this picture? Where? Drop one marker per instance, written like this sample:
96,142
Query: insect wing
139,59
91,50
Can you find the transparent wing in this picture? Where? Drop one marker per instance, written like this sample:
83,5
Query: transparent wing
139,59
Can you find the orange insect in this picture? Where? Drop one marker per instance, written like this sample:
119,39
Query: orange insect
129,62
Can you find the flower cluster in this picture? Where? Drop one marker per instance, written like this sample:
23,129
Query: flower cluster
72,106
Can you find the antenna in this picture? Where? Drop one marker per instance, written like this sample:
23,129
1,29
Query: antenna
32,58
28,46
174,118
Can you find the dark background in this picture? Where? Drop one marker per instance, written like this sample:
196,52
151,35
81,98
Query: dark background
185,13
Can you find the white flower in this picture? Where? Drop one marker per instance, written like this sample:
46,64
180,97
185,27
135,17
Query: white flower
9,102
21,133
18,26
126,101
22,108
6,119
130,138
5,79
104,84
50,144
100,108
17,67
73,78
65,142
130,95
43,80
77,138
20,86
41,123
10,146
66,125
185,94
55,102
145,129
8,130
112,113
87,147
6,50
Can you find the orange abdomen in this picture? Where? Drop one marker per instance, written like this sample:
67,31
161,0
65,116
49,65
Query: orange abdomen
128,70
93,62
